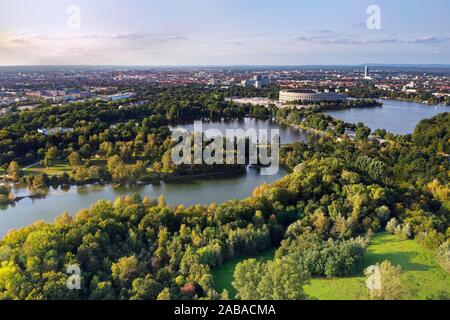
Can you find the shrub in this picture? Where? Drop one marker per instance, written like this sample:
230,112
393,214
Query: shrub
384,282
431,239
443,256
403,232
392,226
325,258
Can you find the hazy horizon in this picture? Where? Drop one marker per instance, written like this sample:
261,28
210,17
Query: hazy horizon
430,65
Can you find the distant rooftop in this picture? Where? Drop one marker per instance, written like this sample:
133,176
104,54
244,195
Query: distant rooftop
300,91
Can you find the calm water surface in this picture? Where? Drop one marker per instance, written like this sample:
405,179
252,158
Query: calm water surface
203,191
398,117
287,134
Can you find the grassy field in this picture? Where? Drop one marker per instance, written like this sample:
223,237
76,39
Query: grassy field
223,276
422,275
58,167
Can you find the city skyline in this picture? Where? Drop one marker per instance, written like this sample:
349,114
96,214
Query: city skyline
223,33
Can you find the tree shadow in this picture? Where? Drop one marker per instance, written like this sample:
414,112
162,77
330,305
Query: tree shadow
404,259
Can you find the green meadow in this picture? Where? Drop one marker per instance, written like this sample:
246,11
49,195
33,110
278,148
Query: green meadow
424,278
223,275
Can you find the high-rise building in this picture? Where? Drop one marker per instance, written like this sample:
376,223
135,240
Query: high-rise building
257,82
367,73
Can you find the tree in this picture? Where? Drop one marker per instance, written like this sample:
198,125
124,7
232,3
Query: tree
6,196
86,151
74,159
161,201
339,129
103,291
403,232
50,155
164,295
280,279
52,152
126,269
138,170
106,149
167,163
118,169
362,132
246,278
211,254
443,256
40,181
145,289
384,282
14,171
392,226
224,296
11,278
283,280
321,222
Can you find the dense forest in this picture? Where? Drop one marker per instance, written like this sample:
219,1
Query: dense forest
111,141
338,192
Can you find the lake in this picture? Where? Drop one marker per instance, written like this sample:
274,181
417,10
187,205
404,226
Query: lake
203,191
398,117
188,192
287,134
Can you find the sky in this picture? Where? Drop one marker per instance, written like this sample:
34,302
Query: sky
224,32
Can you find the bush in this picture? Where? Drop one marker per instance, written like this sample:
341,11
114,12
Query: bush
431,239
403,232
325,258
384,282
392,226
443,256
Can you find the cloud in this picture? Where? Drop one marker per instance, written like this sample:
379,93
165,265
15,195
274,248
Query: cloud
20,40
322,31
431,40
118,36
349,39
144,36
235,42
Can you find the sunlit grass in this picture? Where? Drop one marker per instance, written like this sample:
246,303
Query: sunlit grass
56,168
422,275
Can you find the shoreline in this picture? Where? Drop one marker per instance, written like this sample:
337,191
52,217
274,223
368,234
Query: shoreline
413,101
174,179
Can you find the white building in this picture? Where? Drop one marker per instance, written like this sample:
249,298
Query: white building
309,95
257,82
54,131
367,73
122,96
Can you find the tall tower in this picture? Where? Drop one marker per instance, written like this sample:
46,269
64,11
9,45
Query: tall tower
366,72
